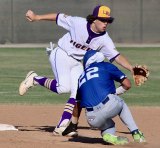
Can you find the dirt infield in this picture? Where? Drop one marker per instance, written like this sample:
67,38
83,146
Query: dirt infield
36,123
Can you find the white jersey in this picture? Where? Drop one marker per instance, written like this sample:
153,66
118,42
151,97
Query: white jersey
81,38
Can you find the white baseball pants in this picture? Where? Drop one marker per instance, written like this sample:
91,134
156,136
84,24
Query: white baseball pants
66,71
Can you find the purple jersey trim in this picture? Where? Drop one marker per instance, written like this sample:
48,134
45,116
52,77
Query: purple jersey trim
92,34
57,18
111,60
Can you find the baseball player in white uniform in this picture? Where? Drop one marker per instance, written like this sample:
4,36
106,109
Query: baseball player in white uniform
83,34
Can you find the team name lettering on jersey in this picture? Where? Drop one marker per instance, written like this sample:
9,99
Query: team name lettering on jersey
77,45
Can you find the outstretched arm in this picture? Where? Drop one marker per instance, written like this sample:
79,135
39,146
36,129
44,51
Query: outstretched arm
121,60
31,16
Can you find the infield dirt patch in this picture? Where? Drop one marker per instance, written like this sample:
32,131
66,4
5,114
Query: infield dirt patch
36,123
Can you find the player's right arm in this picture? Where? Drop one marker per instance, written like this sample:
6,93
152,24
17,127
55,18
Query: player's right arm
31,16
61,19
126,84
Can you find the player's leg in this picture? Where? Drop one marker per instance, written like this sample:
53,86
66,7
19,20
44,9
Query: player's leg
62,71
61,83
109,110
75,74
32,79
48,83
76,69
72,127
108,134
51,84
27,83
102,121
61,68
127,119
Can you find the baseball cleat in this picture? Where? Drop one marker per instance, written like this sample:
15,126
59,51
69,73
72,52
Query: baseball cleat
115,140
138,136
59,130
71,128
27,83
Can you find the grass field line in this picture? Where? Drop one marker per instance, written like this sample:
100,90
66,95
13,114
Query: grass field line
7,92
44,45
132,95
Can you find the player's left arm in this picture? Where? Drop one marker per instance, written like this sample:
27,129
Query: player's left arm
125,85
120,77
122,61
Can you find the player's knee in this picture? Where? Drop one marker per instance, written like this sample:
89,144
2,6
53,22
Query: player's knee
63,89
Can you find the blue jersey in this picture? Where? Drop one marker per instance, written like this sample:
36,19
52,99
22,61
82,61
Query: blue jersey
96,82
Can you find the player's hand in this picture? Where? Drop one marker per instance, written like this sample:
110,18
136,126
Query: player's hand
30,16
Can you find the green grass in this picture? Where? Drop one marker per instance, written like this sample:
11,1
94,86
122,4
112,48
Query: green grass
16,62
147,94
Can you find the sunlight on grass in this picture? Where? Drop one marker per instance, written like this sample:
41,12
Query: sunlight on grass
16,62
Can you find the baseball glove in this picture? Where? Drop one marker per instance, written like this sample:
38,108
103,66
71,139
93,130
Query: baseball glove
141,74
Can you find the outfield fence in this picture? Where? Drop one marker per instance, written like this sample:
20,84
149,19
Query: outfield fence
136,21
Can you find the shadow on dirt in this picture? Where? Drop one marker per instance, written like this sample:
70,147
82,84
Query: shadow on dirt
90,140
42,128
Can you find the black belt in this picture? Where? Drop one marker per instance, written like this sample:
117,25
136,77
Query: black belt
89,109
